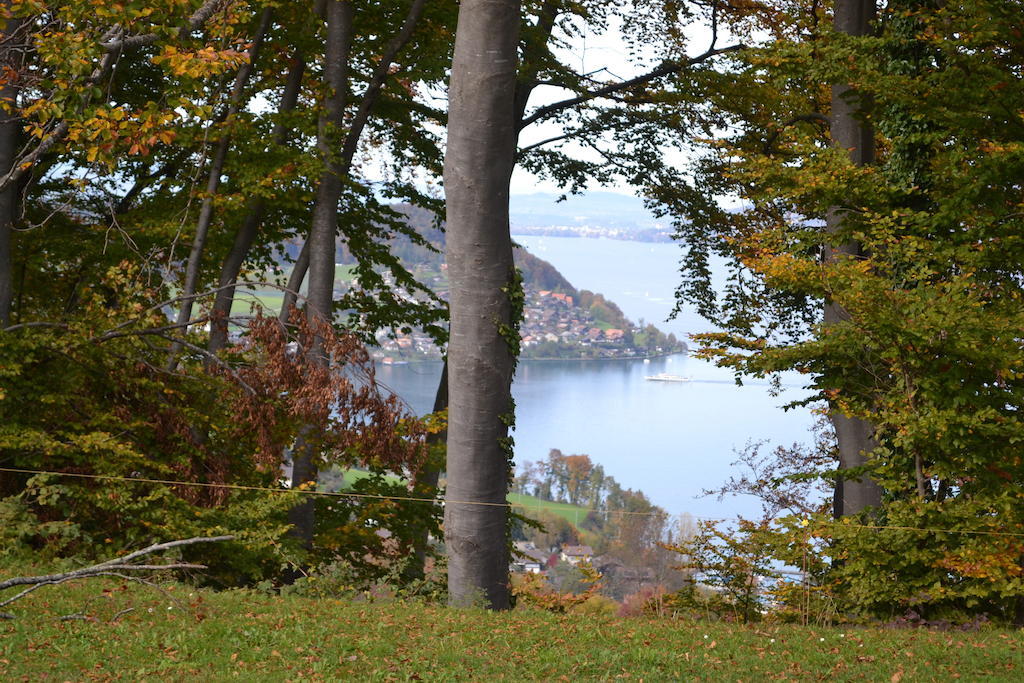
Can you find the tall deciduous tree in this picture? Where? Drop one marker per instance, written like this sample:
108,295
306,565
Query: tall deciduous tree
481,354
322,234
10,134
926,270
481,155
851,131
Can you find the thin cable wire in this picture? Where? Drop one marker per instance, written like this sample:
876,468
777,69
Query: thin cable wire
414,499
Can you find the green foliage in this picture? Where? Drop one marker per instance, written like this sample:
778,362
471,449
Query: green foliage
725,570
373,536
108,412
927,349
339,579
124,428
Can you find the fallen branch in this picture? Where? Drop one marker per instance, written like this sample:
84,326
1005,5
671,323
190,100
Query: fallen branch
113,567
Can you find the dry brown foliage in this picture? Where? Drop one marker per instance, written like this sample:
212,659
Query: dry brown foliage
338,403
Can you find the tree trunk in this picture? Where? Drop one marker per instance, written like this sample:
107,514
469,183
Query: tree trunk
10,133
193,266
478,166
424,484
322,233
351,143
246,234
850,132
291,293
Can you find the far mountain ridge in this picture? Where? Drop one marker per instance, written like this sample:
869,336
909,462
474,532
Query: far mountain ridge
593,209
559,321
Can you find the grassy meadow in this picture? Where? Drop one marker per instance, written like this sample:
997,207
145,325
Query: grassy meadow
574,514
127,631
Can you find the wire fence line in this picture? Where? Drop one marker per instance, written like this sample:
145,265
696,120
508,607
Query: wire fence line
541,505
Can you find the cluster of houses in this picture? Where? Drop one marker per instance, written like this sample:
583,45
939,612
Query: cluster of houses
632,234
618,579
554,317
548,317
529,559
397,351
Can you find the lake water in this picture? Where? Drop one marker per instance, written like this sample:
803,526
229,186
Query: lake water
670,440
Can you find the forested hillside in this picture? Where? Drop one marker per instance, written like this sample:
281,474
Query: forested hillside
571,324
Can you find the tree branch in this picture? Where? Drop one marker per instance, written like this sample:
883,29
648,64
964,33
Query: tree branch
198,18
666,68
373,88
769,143
109,568
112,46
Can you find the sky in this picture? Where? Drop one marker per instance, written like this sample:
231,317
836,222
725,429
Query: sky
591,52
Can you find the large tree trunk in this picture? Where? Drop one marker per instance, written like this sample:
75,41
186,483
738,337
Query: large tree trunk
322,234
478,166
10,133
250,227
851,132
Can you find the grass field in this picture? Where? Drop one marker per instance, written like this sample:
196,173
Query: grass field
530,505
521,503
181,633
270,300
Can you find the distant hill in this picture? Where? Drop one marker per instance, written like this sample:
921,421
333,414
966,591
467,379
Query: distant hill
537,272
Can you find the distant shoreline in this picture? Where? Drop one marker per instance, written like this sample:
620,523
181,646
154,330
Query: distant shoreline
588,360
544,360
642,236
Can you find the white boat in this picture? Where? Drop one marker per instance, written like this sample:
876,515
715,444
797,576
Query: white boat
665,377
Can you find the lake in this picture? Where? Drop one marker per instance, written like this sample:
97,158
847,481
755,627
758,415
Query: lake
671,440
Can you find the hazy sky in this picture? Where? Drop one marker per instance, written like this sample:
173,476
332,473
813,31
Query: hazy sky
588,54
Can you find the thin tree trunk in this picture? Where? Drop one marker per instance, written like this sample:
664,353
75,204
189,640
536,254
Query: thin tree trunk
850,132
193,266
322,234
478,166
246,234
291,293
355,132
1018,602
424,484
318,252
10,133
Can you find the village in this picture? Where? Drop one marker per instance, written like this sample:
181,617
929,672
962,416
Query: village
554,326
560,565
554,318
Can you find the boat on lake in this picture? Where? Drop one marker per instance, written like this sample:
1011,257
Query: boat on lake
666,377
